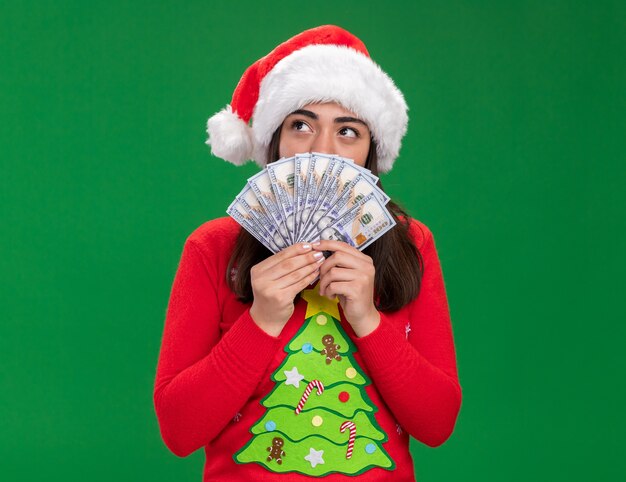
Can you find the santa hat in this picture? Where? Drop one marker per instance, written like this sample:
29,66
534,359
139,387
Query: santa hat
323,64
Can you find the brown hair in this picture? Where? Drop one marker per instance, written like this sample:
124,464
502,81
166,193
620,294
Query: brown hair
398,262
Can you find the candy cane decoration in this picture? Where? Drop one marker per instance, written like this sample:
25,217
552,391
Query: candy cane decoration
307,391
349,425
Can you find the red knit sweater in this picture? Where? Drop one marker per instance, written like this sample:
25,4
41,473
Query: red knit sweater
215,364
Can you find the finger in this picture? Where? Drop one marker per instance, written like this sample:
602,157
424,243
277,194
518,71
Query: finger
336,274
287,253
341,247
346,260
340,288
303,283
332,245
293,264
294,276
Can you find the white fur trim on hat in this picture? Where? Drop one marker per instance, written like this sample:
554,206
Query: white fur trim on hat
230,137
331,73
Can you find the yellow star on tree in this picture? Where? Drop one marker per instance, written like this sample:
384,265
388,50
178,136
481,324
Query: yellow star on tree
317,303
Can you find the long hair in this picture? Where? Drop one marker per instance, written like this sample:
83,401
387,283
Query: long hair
398,262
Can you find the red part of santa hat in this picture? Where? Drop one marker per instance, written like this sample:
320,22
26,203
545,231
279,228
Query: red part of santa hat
323,64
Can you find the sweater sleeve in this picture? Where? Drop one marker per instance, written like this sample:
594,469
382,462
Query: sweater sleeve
417,375
203,380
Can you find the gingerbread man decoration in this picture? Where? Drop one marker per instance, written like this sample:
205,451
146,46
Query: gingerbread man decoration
331,349
276,450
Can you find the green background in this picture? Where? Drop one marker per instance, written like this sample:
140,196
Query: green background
514,158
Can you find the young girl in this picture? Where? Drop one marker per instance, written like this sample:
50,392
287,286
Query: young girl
365,355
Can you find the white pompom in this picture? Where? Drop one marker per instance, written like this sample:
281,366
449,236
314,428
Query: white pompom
230,137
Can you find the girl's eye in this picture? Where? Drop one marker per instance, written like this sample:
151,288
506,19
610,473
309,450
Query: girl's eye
300,126
349,132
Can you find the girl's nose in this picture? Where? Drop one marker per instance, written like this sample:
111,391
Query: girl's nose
323,143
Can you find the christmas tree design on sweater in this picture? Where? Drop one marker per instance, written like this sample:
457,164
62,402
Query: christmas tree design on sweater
319,419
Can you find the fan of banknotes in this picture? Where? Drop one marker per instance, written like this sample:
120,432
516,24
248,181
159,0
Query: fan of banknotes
309,197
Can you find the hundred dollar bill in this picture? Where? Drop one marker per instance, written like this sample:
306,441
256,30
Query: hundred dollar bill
251,204
240,214
262,187
331,170
296,200
362,169
318,165
328,187
326,198
331,219
321,175
367,221
355,180
281,174
302,169
308,194
360,186
349,173
338,203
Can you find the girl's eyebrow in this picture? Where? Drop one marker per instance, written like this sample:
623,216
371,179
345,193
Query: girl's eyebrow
338,120
306,113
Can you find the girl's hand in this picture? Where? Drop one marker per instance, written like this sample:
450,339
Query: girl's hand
349,275
277,280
